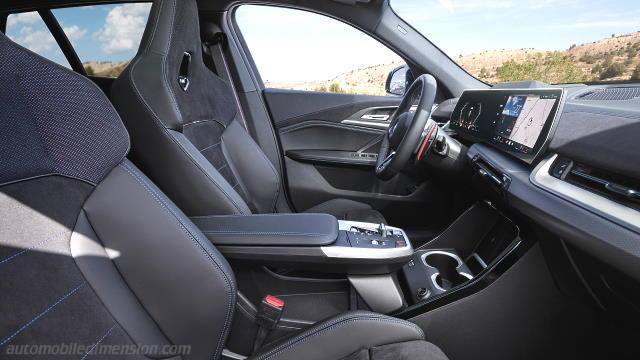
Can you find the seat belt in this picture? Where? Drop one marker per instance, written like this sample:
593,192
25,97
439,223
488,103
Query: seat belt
213,47
267,318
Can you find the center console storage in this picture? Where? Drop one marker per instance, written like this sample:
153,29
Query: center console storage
464,252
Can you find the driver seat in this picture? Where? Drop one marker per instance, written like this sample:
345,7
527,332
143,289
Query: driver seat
187,136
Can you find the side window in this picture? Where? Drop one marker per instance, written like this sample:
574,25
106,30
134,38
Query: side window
29,30
300,50
105,37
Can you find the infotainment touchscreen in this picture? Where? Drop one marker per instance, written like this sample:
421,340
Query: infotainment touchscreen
517,121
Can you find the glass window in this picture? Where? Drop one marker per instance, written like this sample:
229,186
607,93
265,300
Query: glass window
29,30
106,37
547,40
295,49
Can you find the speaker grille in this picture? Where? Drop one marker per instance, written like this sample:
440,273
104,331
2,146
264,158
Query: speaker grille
612,93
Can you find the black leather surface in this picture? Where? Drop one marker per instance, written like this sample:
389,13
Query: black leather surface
259,179
182,281
344,209
340,336
270,229
96,266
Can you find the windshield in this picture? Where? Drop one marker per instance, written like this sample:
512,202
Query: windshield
553,41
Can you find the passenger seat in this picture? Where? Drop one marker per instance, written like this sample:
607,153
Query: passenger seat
92,253
185,131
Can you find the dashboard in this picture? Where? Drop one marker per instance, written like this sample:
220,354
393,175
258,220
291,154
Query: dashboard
517,121
565,157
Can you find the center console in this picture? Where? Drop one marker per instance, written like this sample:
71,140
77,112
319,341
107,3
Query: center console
378,261
368,254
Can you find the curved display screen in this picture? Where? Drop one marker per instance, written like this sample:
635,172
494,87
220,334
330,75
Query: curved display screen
517,121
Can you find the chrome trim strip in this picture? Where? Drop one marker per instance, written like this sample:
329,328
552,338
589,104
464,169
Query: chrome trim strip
440,252
372,124
375,117
618,213
435,283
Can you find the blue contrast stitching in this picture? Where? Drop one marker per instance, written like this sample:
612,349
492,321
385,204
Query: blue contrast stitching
54,237
195,239
304,337
99,341
210,146
7,339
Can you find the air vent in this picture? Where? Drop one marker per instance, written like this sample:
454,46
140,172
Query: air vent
612,93
621,189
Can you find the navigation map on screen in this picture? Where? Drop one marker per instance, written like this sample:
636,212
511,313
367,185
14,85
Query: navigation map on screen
523,118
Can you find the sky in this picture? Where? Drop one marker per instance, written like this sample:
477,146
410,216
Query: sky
291,45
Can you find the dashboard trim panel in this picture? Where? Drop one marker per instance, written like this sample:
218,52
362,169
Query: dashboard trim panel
618,213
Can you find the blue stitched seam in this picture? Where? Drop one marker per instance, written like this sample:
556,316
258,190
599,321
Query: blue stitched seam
55,237
231,286
341,321
25,326
209,147
98,342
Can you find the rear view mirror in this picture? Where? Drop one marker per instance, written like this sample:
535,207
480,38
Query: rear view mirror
398,80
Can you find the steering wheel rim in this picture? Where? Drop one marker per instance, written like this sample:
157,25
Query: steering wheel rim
405,129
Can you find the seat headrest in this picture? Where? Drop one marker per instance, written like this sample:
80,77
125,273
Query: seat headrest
170,47
54,121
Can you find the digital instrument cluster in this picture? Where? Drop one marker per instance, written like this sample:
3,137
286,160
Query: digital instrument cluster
516,121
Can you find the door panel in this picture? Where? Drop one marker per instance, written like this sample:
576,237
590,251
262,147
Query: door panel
330,152
290,107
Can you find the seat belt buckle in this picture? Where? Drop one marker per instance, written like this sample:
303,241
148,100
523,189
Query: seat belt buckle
270,312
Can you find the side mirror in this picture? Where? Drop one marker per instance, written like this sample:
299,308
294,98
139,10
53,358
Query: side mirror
398,80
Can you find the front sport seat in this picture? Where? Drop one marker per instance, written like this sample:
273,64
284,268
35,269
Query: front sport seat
94,258
185,130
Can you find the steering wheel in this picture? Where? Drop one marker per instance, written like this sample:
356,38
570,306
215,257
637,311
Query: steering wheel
406,127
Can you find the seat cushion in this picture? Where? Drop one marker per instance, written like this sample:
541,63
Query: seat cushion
356,335
344,209
408,350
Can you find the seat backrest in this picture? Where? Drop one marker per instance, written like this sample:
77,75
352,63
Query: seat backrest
188,139
92,254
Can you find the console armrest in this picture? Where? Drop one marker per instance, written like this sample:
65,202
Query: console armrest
269,229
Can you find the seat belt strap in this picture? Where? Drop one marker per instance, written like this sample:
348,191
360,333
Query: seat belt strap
267,318
214,48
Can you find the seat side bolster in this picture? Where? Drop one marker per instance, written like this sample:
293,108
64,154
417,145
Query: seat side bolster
261,181
340,336
183,282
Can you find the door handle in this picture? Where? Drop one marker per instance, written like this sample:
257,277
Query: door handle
381,117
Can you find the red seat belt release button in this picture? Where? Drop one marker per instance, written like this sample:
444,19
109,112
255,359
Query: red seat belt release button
270,312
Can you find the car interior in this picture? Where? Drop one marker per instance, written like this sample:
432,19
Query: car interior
186,210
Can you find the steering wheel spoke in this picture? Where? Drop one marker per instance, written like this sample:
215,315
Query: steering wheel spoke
406,127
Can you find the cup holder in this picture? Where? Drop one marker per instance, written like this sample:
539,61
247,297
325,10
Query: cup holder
450,271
